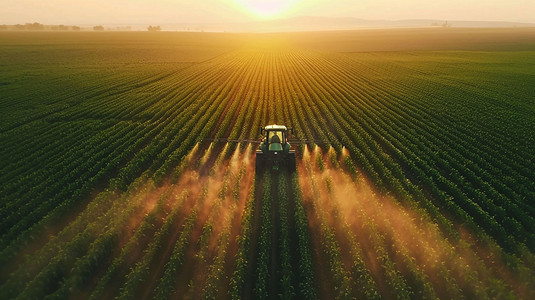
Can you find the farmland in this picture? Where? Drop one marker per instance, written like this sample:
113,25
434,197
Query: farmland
417,180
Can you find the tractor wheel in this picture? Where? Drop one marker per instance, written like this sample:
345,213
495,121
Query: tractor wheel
260,162
291,162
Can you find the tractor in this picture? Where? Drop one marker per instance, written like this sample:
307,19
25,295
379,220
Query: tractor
274,151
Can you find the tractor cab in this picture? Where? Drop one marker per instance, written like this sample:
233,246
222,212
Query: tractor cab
275,138
274,148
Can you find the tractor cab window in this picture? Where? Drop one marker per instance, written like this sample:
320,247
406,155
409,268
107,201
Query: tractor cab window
275,136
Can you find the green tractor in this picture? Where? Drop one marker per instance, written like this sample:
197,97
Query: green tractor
275,152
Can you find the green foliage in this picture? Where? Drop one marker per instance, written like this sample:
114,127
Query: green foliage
244,241
448,134
264,245
166,284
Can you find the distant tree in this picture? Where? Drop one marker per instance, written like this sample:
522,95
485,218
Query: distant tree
20,27
34,26
76,28
154,28
3,27
98,28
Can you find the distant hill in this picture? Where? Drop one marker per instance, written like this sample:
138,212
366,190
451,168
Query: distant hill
303,23
307,23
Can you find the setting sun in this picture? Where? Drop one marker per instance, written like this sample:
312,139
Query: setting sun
267,9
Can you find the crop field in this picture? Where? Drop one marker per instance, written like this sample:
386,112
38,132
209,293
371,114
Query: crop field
415,172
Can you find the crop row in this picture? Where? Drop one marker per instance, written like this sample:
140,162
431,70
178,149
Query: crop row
369,152
413,141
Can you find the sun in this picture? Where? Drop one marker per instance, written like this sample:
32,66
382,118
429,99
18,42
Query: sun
267,9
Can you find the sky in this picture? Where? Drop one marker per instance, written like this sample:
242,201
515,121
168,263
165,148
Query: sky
74,12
